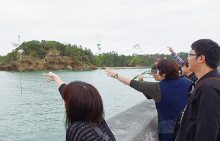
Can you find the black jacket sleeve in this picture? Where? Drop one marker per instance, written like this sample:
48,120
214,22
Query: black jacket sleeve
61,89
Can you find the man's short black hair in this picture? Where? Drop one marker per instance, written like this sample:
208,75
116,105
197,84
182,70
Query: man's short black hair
209,49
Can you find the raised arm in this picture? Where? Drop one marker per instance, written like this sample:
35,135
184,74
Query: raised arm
170,49
54,77
175,56
124,79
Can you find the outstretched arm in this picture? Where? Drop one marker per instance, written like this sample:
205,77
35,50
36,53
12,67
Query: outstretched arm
54,77
124,79
151,89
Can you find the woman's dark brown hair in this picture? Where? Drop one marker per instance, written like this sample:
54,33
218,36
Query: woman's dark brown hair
83,103
168,67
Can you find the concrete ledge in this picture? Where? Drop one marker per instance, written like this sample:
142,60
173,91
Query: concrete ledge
136,123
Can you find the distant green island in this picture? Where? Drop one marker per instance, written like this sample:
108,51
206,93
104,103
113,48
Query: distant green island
53,55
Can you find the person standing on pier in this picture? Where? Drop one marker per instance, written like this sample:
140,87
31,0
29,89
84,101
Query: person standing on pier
170,94
200,119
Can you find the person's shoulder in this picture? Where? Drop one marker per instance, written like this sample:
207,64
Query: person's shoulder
78,124
210,88
214,75
210,84
185,80
78,130
77,127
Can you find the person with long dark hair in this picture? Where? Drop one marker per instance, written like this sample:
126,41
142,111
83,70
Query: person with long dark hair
84,111
170,94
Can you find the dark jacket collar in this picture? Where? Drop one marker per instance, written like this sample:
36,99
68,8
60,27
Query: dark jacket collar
213,73
191,75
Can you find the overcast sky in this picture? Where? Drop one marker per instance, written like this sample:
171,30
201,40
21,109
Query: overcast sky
116,24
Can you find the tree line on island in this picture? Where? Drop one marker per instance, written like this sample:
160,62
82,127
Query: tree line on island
39,49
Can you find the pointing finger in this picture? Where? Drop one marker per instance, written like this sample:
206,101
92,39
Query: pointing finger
44,74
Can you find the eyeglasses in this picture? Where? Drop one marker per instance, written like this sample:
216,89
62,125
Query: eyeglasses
189,54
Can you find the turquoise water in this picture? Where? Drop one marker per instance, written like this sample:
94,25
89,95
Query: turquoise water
39,114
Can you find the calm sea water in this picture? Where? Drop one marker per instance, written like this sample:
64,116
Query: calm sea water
38,114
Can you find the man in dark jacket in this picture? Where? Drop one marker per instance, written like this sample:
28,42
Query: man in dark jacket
200,119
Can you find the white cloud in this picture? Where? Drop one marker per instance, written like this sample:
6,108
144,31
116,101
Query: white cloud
152,25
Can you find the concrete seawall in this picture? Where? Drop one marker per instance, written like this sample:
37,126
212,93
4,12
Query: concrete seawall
137,123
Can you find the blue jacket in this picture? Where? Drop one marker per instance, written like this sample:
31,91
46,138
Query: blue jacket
174,98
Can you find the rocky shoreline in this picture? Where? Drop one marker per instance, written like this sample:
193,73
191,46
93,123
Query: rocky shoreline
52,61
138,67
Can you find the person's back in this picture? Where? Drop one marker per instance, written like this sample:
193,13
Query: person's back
83,131
174,99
